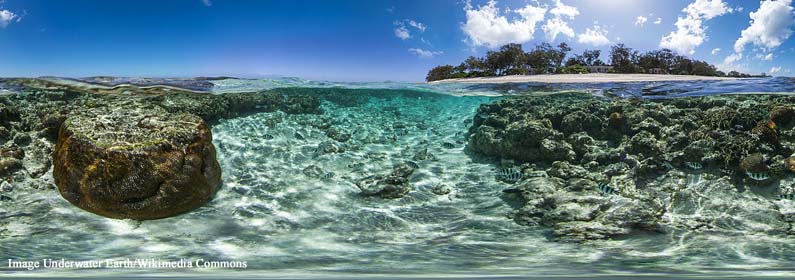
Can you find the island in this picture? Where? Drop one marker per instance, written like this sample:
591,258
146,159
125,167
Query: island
548,64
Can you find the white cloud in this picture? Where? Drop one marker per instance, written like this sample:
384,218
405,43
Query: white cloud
775,69
557,24
561,10
768,57
402,33
425,53
732,58
489,26
658,21
690,32
421,27
770,25
707,9
595,37
207,3
715,51
640,21
6,17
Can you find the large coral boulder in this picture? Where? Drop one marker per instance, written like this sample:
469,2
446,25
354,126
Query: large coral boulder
138,163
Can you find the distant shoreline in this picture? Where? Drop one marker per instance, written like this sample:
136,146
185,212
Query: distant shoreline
582,78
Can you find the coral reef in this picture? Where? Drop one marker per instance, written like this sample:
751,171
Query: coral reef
625,165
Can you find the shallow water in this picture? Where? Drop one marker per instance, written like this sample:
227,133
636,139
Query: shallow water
285,223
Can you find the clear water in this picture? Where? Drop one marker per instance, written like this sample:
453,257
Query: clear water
284,223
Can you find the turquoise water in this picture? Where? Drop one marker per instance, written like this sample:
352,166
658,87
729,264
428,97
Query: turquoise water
285,221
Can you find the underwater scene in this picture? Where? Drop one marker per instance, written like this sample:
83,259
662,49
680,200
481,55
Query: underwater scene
380,180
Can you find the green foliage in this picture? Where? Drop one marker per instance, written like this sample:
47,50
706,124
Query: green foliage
440,73
511,59
575,69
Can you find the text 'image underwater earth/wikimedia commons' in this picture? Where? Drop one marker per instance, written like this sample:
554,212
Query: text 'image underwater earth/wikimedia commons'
397,139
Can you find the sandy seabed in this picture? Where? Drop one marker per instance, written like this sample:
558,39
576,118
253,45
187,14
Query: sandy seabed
581,78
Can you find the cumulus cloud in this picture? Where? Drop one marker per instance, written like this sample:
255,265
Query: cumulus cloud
775,69
715,51
7,17
658,21
558,25
424,53
596,36
402,30
770,26
489,26
690,32
563,10
640,21
732,58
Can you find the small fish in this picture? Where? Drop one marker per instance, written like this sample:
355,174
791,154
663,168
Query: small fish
694,165
786,196
771,125
412,164
267,137
448,145
5,198
299,136
511,174
729,172
606,189
327,175
761,176
512,190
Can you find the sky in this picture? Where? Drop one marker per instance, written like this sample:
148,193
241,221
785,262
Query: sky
371,40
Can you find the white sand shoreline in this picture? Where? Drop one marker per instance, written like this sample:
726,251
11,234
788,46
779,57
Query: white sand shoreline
581,78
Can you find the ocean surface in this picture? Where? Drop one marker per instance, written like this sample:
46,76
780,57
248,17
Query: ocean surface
286,224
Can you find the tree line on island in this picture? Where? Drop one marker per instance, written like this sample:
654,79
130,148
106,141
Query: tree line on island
511,59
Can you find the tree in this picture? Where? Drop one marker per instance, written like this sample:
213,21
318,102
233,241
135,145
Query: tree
474,64
440,73
624,59
558,55
591,58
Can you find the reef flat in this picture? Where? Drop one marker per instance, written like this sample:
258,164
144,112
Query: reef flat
599,168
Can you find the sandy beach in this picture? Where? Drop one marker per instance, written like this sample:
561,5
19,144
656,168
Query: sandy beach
581,78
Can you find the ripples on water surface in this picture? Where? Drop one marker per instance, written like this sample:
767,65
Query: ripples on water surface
284,221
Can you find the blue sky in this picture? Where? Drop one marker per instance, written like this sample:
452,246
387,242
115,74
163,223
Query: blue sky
370,40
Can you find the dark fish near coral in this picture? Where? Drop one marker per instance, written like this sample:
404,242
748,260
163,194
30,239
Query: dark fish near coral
786,196
694,165
512,190
511,174
299,136
448,145
729,172
758,176
327,175
606,189
413,165
268,137
5,198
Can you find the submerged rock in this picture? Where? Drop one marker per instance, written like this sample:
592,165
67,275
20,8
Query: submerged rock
138,163
394,185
